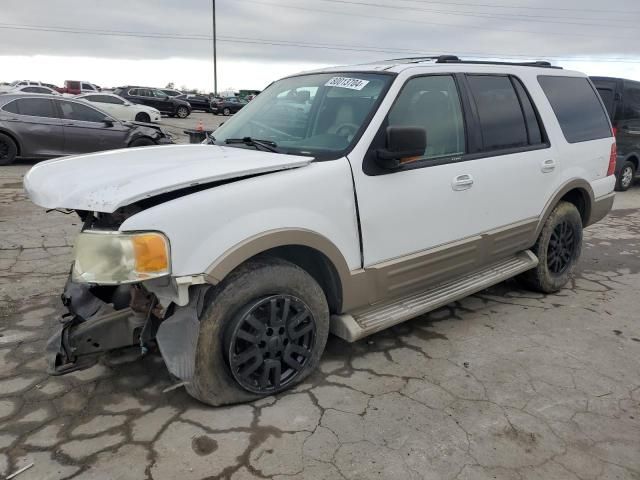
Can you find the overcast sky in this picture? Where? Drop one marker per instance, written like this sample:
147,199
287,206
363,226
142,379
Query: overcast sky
153,42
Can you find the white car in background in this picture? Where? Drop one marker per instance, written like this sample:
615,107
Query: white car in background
33,89
121,108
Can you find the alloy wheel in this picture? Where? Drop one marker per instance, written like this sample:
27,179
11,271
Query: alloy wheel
627,177
562,245
270,343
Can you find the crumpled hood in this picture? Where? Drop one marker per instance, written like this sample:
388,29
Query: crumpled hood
106,181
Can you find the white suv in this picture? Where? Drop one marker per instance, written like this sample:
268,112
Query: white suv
344,200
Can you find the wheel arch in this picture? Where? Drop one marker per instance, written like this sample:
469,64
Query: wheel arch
633,158
579,193
312,252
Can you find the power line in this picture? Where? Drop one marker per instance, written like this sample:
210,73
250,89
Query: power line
522,7
298,44
438,24
518,17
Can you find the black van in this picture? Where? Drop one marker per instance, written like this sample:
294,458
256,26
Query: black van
622,99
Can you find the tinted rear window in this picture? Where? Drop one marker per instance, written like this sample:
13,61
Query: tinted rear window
607,98
577,107
501,119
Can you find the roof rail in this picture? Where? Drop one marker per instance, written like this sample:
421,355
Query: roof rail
454,59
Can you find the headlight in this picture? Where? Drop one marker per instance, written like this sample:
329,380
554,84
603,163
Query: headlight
111,258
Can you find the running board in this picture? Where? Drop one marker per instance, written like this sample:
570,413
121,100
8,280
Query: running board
372,319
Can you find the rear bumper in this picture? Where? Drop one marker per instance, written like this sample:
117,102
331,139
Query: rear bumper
601,207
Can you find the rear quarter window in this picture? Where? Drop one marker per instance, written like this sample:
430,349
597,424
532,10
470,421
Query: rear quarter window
577,107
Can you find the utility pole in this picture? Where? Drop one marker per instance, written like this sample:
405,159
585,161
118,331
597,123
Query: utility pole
215,60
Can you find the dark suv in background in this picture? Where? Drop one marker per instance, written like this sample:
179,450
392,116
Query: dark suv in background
155,98
621,97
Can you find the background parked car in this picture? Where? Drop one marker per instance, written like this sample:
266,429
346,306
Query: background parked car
197,102
120,108
47,126
621,98
76,87
33,89
171,92
18,83
155,98
227,105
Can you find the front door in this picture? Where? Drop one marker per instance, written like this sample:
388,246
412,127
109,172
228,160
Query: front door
89,130
466,201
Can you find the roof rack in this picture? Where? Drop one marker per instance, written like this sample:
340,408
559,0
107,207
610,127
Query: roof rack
455,59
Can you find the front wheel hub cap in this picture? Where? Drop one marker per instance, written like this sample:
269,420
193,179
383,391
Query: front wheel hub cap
270,343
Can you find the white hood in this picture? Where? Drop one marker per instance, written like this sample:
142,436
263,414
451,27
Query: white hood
106,181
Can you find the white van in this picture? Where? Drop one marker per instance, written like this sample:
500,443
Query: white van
400,186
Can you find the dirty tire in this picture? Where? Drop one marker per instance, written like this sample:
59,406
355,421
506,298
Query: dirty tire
8,150
564,217
182,112
213,383
625,176
226,112
142,142
143,117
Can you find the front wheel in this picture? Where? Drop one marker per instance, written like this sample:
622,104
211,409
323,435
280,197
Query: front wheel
226,112
182,112
142,142
624,179
558,249
143,117
262,332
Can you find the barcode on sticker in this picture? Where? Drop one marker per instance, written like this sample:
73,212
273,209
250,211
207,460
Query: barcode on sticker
346,82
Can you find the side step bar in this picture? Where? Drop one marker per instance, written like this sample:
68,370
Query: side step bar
372,319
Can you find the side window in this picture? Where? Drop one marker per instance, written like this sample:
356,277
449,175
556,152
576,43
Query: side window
11,107
35,107
134,91
577,108
86,86
607,96
534,130
77,111
501,119
631,99
112,99
434,104
93,98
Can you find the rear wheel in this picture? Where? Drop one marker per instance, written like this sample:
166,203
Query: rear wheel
558,249
263,331
8,150
143,117
142,142
226,112
182,112
625,176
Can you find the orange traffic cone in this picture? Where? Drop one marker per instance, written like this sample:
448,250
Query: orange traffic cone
200,127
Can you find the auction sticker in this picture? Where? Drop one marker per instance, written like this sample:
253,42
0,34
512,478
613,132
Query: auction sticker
346,82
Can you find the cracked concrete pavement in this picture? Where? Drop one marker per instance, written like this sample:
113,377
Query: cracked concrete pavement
507,384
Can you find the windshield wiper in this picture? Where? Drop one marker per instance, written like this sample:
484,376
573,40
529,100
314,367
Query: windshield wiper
254,142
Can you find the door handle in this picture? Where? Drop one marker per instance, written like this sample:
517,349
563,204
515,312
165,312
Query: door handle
462,182
548,166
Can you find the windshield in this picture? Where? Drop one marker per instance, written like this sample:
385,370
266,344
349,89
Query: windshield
318,114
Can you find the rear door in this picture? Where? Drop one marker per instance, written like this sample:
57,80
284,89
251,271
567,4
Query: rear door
86,129
36,123
627,121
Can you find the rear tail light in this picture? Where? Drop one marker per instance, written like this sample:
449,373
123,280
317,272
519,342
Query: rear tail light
615,131
612,160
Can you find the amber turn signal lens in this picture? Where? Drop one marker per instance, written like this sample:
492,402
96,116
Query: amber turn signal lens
151,253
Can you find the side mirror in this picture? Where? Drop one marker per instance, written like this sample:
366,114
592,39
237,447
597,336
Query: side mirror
404,145
108,122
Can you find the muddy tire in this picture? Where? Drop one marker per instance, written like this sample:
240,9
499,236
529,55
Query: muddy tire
262,331
558,250
8,150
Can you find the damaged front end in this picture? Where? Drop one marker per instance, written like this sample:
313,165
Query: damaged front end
120,294
101,319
